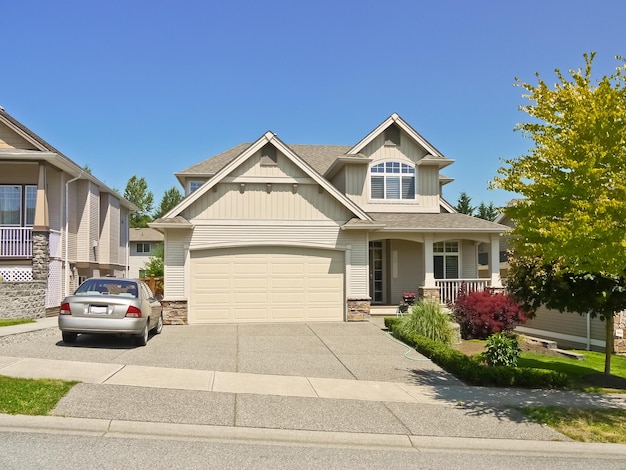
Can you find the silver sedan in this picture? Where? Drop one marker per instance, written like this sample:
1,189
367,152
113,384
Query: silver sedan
111,305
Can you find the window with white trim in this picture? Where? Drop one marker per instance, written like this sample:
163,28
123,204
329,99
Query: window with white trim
193,185
392,181
17,205
143,247
446,260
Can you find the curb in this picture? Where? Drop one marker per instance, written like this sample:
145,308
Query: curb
266,436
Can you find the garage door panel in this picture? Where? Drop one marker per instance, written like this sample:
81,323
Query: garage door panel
266,284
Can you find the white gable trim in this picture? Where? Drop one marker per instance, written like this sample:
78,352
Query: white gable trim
268,137
395,118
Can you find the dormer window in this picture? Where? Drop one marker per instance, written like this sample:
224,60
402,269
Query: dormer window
392,180
193,185
392,135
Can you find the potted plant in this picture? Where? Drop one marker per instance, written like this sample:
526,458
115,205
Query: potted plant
408,298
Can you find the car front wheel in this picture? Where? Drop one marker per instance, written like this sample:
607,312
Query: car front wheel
69,337
142,339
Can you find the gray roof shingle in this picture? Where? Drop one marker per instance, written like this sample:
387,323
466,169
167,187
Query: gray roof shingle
435,221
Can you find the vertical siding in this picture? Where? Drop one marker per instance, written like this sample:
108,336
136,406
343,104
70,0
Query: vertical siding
356,183
339,181
93,221
104,238
284,167
228,202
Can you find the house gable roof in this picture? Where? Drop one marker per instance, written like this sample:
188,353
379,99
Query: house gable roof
441,222
229,163
43,151
434,156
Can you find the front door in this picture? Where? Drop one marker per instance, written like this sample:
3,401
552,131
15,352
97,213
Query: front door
377,263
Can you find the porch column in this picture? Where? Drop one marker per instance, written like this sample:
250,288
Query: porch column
494,264
429,263
42,222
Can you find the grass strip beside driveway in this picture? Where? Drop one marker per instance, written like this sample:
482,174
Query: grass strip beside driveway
14,321
584,425
31,396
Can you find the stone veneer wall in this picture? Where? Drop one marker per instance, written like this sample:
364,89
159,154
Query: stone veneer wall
429,293
41,256
358,309
175,312
23,299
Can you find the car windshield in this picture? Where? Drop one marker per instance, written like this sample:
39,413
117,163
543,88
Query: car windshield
108,287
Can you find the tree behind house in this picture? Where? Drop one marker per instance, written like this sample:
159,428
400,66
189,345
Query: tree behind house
137,192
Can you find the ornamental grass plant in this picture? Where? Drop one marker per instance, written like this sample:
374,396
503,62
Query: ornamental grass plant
429,320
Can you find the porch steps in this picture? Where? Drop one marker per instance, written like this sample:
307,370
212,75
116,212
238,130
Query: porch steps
552,345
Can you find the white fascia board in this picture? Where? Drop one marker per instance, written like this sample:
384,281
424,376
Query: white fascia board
372,135
319,179
447,205
340,162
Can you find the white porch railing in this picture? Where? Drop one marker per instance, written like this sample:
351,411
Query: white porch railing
16,242
449,288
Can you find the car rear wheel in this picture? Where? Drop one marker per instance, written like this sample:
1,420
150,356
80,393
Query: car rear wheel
69,337
159,326
142,339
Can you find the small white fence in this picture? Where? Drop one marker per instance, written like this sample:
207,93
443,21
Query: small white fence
449,288
16,242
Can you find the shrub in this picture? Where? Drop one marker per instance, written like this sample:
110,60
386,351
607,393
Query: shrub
501,350
473,371
427,319
483,313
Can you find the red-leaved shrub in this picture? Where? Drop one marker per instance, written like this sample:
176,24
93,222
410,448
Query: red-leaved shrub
482,313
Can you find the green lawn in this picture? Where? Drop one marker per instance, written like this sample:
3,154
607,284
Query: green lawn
575,369
583,425
30,396
15,321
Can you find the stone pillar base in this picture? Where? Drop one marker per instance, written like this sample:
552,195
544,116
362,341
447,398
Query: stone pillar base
358,309
429,293
174,312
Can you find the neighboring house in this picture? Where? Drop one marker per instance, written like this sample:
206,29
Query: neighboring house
58,223
271,232
144,243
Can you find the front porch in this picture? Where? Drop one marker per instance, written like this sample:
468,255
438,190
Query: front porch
429,266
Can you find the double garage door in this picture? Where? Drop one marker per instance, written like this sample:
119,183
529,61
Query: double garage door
266,284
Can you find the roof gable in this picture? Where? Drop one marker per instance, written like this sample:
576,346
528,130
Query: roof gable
230,165
433,156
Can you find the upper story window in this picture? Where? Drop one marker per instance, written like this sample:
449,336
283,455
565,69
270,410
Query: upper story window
17,205
193,185
143,247
392,180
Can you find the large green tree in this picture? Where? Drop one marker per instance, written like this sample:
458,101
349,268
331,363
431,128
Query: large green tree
573,180
170,199
486,211
137,192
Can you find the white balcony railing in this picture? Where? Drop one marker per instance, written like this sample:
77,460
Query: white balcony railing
16,242
449,288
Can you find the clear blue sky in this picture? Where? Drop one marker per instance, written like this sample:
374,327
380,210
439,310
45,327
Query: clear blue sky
149,88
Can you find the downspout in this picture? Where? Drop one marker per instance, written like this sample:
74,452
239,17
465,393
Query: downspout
127,243
66,262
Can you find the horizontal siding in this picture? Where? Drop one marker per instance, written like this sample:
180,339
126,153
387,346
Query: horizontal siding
11,140
174,263
566,323
19,173
255,202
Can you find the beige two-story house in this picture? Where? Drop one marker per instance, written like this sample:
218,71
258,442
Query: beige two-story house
274,232
58,223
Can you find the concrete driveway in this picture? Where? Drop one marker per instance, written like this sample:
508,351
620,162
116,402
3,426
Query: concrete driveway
358,351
